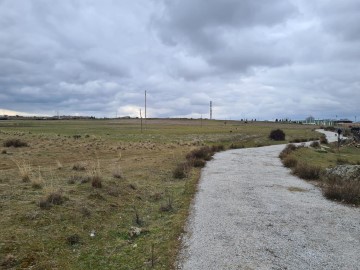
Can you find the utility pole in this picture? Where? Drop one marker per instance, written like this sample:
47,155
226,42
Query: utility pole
210,110
141,124
145,109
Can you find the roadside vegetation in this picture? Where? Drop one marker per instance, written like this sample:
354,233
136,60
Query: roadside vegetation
102,195
313,163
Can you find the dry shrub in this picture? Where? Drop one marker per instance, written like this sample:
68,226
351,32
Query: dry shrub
299,140
217,148
236,146
307,171
15,143
118,173
289,162
287,150
181,170
315,144
73,239
79,166
96,182
9,261
342,190
3,151
198,163
204,153
323,139
277,135
53,198
342,161
24,169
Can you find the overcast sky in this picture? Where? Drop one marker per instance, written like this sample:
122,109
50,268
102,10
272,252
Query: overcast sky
253,58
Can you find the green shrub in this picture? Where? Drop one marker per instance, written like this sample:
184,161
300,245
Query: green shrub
277,135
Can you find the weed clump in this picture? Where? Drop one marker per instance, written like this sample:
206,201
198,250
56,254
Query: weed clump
307,171
323,139
289,162
236,146
181,171
204,153
277,135
79,166
96,182
73,239
53,198
15,143
345,191
287,150
315,144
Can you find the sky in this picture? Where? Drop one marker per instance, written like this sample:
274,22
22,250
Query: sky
252,58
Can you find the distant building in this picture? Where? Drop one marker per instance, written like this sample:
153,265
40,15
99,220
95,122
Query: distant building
319,122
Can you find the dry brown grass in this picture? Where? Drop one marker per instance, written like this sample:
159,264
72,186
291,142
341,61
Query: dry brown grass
346,191
307,171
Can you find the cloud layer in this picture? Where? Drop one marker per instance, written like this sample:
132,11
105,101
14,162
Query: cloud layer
253,59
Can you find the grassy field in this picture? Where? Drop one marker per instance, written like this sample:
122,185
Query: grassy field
99,194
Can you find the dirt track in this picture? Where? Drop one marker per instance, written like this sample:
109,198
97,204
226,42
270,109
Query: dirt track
251,213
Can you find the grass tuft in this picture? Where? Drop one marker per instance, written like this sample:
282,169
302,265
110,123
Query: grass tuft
307,171
15,143
345,191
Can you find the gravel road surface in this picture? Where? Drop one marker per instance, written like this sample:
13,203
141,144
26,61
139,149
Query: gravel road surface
251,213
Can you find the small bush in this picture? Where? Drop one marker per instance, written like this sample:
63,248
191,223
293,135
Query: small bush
299,140
236,146
73,239
287,150
315,144
201,153
307,171
53,198
289,162
198,163
217,148
96,182
277,135
3,151
15,143
181,171
342,190
79,166
341,161
323,139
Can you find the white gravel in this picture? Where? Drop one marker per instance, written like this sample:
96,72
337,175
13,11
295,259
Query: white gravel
251,213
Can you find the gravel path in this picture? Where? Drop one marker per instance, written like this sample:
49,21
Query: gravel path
251,213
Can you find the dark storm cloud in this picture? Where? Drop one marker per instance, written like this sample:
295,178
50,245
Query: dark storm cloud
227,34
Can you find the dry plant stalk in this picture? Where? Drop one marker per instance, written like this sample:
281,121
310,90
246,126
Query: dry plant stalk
24,169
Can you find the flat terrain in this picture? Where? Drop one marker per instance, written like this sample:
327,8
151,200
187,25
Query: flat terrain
53,217
251,213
